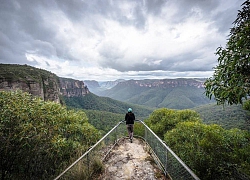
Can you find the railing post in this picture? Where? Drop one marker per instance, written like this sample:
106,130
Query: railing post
166,164
116,134
88,164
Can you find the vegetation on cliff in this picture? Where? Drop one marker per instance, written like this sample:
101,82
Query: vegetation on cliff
163,120
36,81
104,113
16,72
93,102
103,120
38,138
211,151
170,93
228,117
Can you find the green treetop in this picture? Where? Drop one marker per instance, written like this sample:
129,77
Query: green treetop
231,79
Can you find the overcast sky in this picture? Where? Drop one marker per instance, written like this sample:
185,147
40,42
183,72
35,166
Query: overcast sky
112,39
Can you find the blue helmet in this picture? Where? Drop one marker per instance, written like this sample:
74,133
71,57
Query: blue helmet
129,110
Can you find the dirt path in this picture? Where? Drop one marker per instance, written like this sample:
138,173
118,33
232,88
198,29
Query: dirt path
130,161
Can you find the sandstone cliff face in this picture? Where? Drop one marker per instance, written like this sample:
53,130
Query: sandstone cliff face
72,88
39,82
165,83
29,79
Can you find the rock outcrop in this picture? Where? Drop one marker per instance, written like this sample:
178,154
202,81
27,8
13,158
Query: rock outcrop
72,88
165,83
131,161
39,82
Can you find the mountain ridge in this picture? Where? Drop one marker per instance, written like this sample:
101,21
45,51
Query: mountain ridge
181,93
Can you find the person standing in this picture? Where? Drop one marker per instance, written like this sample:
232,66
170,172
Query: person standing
130,118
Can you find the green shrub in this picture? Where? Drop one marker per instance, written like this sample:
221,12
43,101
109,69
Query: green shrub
163,120
246,105
39,138
211,151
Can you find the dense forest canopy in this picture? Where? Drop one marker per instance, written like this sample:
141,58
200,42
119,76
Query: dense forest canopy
38,138
227,116
210,150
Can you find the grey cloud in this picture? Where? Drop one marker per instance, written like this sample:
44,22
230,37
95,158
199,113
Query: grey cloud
191,61
23,26
208,10
23,29
20,24
8,56
155,6
139,12
10,51
76,9
224,20
185,62
123,65
44,48
26,18
47,63
138,21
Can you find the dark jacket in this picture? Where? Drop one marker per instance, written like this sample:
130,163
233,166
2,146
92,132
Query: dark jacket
129,118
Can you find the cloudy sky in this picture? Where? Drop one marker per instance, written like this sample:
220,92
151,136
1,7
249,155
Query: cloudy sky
111,39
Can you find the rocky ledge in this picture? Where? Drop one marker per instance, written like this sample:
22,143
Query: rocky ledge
131,161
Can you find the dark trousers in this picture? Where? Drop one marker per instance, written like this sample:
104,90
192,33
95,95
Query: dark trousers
130,128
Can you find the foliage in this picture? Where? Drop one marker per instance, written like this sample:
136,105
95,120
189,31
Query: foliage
105,121
139,129
246,105
38,138
211,151
93,102
87,171
231,79
102,120
228,117
14,72
162,120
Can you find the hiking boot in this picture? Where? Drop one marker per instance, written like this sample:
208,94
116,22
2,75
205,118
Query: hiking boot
131,140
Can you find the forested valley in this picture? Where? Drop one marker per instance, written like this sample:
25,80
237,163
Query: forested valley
212,140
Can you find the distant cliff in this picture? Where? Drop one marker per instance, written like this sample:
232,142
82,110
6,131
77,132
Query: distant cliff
93,86
179,93
72,87
39,82
110,84
164,83
97,87
30,79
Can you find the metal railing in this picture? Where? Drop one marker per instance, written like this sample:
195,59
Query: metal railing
90,162
166,159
